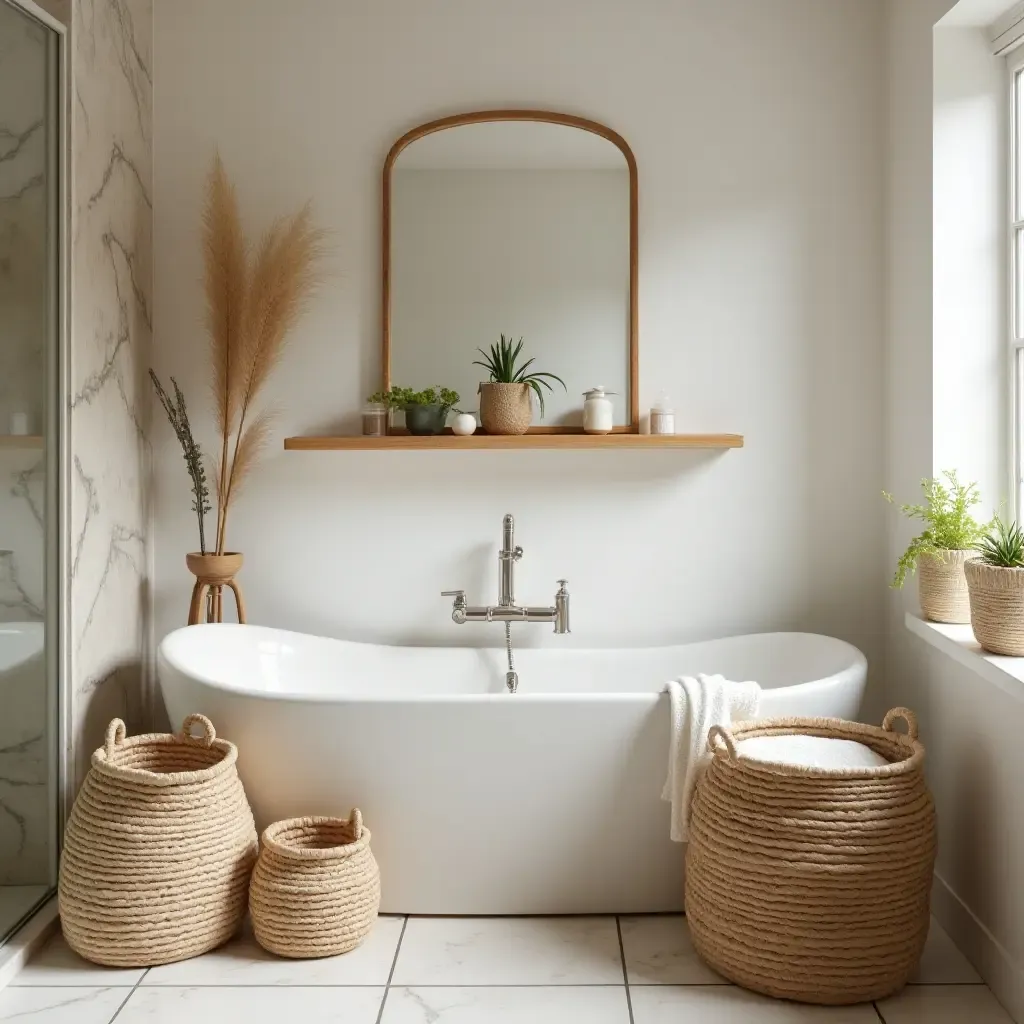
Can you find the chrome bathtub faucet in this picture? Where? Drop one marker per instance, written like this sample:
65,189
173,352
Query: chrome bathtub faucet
506,610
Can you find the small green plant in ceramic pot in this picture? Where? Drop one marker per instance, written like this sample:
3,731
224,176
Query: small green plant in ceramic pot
425,411
995,580
506,406
939,552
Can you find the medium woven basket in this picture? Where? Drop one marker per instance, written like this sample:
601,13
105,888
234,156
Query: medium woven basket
506,408
812,884
159,849
316,888
942,586
997,606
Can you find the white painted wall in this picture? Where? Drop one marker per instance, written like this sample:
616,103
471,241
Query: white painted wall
758,132
537,254
972,730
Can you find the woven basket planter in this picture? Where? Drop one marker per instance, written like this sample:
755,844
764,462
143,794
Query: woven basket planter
997,606
316,888
158,851
942,586
812,884
506,408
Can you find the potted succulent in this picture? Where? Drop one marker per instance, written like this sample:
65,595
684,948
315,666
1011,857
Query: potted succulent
941,549
995,579
425,411
505,403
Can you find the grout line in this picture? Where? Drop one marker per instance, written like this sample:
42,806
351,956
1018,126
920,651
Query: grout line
117,1012
391,973
625,973
879,1012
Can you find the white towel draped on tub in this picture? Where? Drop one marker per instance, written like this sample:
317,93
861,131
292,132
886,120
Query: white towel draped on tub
697,704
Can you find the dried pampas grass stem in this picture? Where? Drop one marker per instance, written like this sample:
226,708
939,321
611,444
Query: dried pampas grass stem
252,306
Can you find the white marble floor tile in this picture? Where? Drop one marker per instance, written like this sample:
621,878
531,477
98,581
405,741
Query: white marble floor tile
61,1005
509,951
57,964
943,1004
243,961
551,1005
942,963
724,1004
659,951
252,1005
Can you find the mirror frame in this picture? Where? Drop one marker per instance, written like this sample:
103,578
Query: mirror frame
548,117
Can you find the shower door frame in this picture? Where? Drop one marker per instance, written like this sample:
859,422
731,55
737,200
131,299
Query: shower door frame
57,524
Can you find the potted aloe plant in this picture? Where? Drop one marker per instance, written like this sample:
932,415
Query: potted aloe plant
939,552
995,580
505,397
425,411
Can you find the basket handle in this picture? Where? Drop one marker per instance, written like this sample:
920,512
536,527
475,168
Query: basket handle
719,732
209,733
907,715
355,819
116,733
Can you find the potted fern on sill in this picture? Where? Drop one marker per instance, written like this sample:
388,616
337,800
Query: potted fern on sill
939,552
995,579
506,406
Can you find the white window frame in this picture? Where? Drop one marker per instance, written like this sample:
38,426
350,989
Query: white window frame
1015,289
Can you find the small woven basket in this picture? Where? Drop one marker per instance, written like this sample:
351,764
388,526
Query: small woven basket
942,586
997,606
506,408
316,888
158,850
812,884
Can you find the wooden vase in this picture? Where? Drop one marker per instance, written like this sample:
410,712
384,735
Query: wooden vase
213,573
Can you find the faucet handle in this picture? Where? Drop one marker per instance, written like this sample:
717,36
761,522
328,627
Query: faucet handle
459,595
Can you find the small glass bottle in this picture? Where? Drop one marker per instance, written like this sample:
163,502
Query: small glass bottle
663,417
375,419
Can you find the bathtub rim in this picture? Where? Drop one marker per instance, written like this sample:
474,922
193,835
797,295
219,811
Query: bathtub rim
857,666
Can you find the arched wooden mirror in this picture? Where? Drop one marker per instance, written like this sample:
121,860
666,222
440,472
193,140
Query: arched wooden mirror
514,222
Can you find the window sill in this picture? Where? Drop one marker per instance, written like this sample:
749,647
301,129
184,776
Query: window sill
957,642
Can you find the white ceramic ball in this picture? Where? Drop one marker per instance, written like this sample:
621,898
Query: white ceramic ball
464,423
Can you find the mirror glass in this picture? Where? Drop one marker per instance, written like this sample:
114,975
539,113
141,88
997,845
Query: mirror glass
519,228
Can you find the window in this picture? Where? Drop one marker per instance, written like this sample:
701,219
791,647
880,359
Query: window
1015,63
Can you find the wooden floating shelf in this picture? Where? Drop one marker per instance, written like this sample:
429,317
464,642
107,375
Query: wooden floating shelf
451,442
20,441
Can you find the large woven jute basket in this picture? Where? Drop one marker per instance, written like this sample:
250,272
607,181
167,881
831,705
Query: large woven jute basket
316,888
812,884
997,606
159,849
506,408
942,586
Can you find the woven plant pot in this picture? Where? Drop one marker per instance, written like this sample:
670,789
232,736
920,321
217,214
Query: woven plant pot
316,888
997,606
506,408
942,586
812,884
158,851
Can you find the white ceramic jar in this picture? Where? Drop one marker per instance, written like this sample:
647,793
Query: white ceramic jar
597,411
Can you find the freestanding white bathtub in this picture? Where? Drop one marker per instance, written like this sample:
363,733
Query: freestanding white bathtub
483,802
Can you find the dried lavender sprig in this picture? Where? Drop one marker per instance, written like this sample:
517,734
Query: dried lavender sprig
177,414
